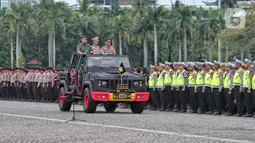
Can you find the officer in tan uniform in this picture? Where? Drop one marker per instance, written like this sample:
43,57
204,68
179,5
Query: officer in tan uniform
107,49
95,49
37,89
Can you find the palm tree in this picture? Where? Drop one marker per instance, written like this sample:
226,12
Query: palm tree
17,17
208,29
156,19
52,14
141,26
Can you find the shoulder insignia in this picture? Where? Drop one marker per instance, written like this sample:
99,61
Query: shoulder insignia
171,72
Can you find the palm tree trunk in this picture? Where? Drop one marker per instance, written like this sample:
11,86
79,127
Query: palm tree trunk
185,45
17,49
145,50
210,50
50,50
120,43
180,51
12,56
219,50
54,50
242,55
227,54
167,46
155,45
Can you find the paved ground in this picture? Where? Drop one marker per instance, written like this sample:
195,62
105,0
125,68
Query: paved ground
43,122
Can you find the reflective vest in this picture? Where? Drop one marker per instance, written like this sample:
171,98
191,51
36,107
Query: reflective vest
253,82
216,79
192,80
160,81
237,78
200,79
151,80
180,78
246,79
208,79
168,78
227,81
175,78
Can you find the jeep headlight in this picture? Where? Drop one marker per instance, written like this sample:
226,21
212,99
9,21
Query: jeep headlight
136,84
102,83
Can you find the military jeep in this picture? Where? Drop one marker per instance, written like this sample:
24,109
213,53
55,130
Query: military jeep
95,79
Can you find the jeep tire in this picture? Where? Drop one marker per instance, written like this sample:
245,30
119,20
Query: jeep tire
63,103
89,105
110,107
137,107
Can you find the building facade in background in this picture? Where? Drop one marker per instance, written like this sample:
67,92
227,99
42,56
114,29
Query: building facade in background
7,3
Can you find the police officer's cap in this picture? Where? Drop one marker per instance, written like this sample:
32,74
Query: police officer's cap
209,63
233,66
247,61
95,38
222,64
238,61
191,64
181,64
200,64
227,64
217,63
162,65
84,37
108,40
168,63
152,66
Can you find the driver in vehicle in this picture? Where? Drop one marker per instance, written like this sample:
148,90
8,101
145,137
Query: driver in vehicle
107,49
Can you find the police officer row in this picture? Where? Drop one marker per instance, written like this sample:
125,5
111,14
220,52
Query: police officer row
28,85
209,88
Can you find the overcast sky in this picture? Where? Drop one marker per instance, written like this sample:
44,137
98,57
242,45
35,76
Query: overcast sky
162,2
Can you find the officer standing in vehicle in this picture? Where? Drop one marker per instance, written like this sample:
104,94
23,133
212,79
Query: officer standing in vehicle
95,49
83,47
152,88
107,49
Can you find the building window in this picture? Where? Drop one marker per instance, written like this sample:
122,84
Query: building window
97,1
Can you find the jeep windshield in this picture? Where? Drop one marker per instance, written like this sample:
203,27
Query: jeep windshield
108,62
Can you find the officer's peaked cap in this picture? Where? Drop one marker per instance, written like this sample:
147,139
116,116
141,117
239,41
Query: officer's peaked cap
216,62
160,64
168,63
95,38
247,61
152,66
238,61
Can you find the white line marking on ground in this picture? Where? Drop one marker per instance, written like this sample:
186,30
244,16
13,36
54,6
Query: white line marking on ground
129,128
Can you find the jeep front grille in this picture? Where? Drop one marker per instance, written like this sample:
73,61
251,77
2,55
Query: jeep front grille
113,83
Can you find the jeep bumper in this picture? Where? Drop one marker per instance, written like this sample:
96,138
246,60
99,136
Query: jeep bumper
107,96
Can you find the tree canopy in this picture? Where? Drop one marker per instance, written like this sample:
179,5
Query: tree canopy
49,32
